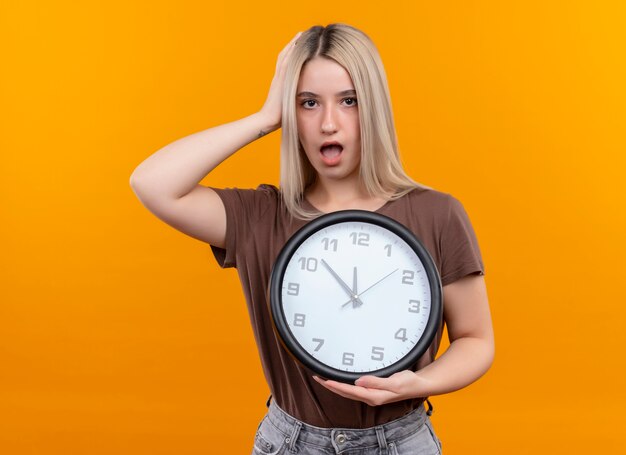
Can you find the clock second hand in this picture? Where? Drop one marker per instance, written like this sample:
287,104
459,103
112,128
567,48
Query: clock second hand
358,296
353,297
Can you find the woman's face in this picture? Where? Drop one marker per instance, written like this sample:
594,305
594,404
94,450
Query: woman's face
327,111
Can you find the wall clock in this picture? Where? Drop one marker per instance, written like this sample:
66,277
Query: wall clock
354,292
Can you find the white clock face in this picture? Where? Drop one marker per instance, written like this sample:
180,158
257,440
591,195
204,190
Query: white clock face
356,296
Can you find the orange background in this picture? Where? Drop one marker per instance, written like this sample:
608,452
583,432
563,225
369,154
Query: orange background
120,335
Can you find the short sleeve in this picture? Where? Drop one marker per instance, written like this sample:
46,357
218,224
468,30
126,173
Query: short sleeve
459,247
243,208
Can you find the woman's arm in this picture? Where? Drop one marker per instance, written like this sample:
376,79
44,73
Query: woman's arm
469,356
176,169
167,182
470,331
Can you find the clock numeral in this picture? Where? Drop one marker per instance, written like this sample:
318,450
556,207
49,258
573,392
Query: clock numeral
348,358
330,242
408,276
309,264
360,238
401,335
388,248
321,343
293,288
378,351
298,319
415,306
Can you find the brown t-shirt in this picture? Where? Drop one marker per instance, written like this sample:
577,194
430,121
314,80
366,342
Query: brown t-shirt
258,225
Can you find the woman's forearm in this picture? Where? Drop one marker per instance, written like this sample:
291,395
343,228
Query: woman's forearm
177,168
465,360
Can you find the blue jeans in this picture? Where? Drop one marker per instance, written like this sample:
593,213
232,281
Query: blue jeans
279,433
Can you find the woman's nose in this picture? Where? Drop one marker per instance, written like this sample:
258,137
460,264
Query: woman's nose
329,123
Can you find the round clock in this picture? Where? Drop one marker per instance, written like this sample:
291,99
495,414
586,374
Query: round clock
355,292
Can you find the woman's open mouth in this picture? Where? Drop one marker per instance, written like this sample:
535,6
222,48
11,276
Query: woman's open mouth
331,153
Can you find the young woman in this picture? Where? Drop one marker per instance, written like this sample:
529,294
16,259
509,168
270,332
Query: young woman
339,151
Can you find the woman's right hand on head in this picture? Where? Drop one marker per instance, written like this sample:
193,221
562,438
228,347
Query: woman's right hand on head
273,107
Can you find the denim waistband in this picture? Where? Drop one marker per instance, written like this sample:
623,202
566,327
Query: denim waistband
341,439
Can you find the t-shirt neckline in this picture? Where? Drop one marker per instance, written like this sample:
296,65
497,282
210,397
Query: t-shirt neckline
307,203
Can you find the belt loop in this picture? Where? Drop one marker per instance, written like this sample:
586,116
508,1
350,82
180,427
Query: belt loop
382,441
430,408
291,440
268,401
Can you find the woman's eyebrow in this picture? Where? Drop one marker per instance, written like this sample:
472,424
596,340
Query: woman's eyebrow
314,95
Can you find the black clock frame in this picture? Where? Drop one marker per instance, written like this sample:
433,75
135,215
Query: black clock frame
279,320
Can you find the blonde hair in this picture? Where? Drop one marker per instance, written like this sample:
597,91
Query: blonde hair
381,169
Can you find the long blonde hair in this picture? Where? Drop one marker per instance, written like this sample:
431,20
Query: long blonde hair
380,169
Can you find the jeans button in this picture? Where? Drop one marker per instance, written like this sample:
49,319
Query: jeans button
340,438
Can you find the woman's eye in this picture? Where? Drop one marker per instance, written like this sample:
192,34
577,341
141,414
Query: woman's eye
350,102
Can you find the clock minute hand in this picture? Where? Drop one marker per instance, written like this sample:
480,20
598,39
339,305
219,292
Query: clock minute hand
353,297
367,289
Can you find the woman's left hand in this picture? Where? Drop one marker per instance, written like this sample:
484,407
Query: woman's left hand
468,357
376,391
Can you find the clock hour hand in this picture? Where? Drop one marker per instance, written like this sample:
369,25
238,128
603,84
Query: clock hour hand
355,291
353,297
367,289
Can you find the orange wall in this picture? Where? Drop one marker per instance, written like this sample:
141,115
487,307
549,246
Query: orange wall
120,335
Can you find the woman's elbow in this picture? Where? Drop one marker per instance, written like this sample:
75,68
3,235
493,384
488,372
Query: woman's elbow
490,353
